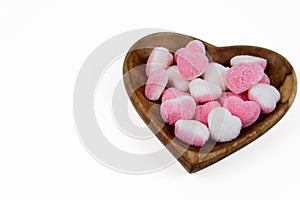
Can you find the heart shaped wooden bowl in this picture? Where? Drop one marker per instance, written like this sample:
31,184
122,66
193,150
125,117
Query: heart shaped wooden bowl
279,70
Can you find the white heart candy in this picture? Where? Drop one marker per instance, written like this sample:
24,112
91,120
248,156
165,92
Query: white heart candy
223,126
216,73
265,95
176,80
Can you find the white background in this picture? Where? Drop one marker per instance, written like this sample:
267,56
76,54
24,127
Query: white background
42,47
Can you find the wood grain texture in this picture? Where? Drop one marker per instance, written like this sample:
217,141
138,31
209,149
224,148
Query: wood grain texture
279,70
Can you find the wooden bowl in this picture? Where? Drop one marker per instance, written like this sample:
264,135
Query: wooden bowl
279,70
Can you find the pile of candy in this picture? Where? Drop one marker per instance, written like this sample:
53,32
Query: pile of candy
205,99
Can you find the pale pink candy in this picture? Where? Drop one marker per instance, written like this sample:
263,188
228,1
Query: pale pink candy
247,111
156,84
196,46
190,64
265,79
245,59
243,96
172,93
223,126
191,132
160,58
216,73
202,111
241,78
176,80
204,91
265,95
182,107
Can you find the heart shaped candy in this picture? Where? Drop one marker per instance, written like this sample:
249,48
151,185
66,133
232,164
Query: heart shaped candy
265,95
241,78
223,126
191,64
247,111
196,46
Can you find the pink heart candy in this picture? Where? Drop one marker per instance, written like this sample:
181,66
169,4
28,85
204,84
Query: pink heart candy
190,64
241,78
196,46
247,111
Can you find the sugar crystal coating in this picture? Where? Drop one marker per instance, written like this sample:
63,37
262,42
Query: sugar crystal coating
241,78
156,84
204,91
182,107
160,58
225,95
190,64
247,111
223,126
202,111
245,59
176,80
265,95
216,73
196,46
192,132
172,93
